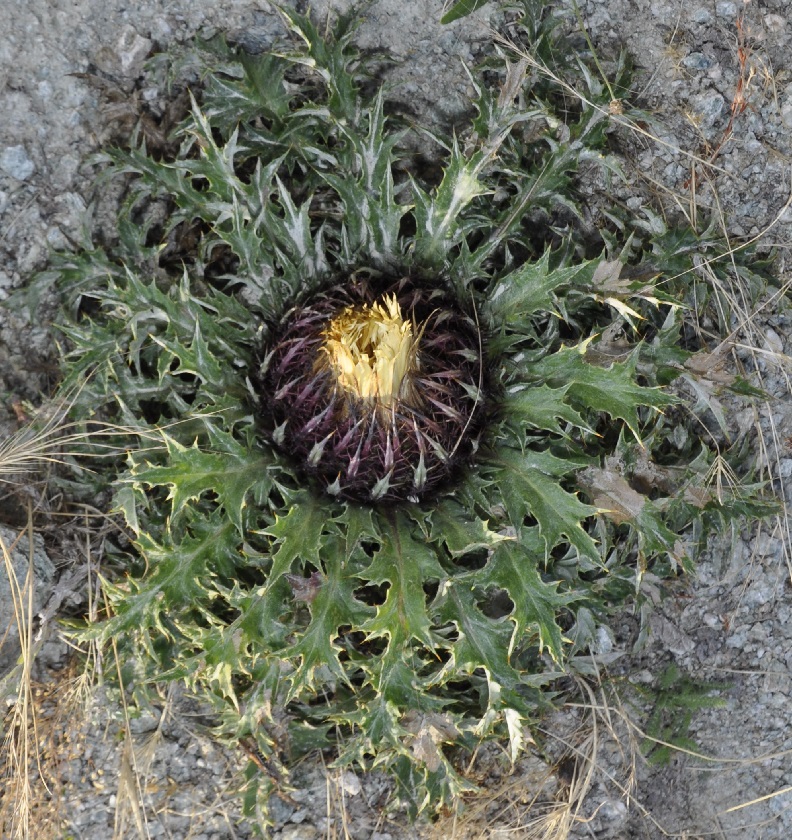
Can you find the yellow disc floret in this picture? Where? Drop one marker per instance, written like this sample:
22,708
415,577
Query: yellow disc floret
372,350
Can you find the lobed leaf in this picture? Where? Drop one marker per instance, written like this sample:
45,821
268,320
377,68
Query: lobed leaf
613,390
530,485
514,567
190,473
405,564
531,288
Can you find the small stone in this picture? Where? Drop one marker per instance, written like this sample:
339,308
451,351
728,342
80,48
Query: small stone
349,783
773,341
697,61
613,810
14,161
299,832
132,50
774,23
726,9
709,107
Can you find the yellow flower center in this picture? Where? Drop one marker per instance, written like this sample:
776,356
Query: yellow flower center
372,350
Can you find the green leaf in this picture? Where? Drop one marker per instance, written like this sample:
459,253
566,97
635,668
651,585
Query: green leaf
332,606
461,9
460,531
178,575
438,222
405,564
125,502
529,482
365,185
613,390
259,89
300,534
541,407
530,288
191,472
482,642
513,566
196,360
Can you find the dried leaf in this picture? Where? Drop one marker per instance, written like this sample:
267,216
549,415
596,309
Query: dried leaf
428,730
611,493
305,589
711,366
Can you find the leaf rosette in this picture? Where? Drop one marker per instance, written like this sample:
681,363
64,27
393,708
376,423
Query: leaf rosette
383,508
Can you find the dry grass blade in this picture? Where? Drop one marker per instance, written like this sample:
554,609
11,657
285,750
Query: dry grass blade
131,781
18,800
51,439
535,803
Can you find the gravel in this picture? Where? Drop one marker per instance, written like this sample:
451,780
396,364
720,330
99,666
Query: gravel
715,89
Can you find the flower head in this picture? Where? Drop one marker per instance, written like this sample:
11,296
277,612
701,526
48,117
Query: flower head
378,394
373,351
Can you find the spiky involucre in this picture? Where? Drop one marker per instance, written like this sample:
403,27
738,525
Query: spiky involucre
368,449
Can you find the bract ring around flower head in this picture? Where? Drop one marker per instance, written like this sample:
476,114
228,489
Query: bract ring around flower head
376,392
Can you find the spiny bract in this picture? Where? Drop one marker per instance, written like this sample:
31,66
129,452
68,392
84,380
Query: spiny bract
377,395
319,339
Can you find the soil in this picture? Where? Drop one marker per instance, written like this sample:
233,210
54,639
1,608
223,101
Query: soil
716,78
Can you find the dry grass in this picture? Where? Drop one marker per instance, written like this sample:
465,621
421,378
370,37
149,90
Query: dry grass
20,724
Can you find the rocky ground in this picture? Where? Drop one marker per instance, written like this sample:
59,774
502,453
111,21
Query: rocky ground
716,78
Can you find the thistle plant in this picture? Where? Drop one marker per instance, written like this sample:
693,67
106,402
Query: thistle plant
415,443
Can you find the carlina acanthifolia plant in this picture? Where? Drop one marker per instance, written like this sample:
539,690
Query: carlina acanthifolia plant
405,468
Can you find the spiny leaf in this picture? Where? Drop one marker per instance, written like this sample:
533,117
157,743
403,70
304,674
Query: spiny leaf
540,407
461,9
190,472
196,360
530,289
334,606
461,532
513,566
255,89
333,59
482,642
437,217
299,534
366,189
529,482
179,574
406,564
358,523
613,390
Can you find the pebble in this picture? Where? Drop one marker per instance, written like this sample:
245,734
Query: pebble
774,24
299,832
697,61
14,161
709,107
726,9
